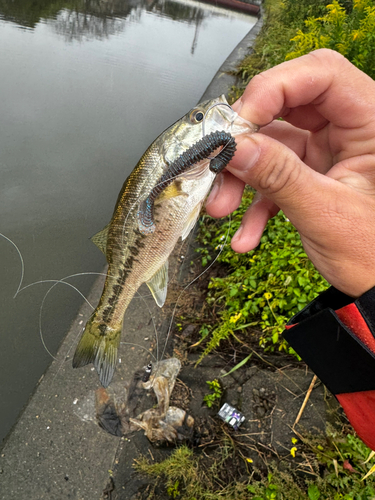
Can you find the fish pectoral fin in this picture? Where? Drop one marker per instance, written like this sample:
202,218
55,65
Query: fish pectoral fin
158,284
171,191
100,239
191,221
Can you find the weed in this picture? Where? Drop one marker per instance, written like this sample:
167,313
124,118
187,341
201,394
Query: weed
263,288
214,398
340,461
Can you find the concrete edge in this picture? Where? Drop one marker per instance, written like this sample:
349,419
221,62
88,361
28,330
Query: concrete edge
225,78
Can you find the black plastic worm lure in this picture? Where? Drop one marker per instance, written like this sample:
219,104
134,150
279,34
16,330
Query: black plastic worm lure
199,151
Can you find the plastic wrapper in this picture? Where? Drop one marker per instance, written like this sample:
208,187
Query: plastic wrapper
231,416
118,409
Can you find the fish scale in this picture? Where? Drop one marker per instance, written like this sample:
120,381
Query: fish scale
135,258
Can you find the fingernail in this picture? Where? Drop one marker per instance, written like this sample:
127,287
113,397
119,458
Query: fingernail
238,105
249,152
237,235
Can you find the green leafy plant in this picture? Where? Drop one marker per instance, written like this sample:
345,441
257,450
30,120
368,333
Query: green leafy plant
215,396
313,492
262,289
173,491
270,491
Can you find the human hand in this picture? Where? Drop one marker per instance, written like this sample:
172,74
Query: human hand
318,165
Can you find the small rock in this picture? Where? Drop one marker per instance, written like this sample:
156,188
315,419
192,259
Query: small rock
189,330
260,411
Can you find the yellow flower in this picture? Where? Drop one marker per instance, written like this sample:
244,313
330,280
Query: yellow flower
249,460
294,440
235,318
267,295
293,451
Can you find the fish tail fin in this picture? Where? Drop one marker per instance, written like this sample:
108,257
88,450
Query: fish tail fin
98,345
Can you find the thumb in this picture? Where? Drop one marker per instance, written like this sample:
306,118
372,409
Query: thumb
279,174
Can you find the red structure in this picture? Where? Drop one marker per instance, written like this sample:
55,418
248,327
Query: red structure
235,5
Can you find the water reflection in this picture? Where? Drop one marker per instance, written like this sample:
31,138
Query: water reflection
96,19
74,25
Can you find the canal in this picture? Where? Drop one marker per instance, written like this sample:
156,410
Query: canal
85,86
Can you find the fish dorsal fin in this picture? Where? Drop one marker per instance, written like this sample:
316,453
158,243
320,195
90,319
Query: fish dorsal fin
158,284
171,191
100,239
191,221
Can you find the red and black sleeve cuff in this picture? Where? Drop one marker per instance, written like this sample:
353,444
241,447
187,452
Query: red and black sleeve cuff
335,336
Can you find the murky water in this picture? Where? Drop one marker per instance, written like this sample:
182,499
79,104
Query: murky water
85,87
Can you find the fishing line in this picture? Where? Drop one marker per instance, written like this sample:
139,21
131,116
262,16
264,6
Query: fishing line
153,324
154,327
22,262
223,245
56,282
195,279
141,347
127,216
183,243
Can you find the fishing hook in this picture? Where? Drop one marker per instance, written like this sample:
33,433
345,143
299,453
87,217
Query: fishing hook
209,109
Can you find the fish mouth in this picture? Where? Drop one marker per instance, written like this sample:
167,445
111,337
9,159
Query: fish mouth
242,126
221,116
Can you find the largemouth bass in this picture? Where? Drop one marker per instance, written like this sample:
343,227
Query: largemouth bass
137,246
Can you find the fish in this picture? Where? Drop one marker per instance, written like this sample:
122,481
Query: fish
136,246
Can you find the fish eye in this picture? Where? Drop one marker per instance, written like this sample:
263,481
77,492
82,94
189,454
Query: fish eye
196,116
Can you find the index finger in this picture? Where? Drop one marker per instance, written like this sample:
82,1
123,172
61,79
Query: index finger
339,92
